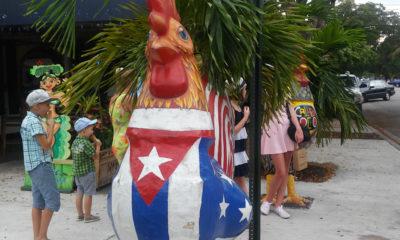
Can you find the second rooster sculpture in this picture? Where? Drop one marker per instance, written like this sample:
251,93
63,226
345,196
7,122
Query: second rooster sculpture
168,187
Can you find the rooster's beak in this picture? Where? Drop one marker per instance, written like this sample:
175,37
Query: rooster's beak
162,51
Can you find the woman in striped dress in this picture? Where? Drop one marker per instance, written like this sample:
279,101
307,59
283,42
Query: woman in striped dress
240,158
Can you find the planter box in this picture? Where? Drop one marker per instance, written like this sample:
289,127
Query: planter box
106,167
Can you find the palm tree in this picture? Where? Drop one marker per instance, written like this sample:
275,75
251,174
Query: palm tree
332,100
224,33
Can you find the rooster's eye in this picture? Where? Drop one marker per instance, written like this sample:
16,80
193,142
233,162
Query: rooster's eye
148,36
183,34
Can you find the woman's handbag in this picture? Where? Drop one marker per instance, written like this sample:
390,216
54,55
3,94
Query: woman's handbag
292,129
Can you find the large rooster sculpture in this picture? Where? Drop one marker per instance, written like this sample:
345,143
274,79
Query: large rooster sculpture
168,186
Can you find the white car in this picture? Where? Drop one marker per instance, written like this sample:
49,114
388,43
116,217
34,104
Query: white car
352,82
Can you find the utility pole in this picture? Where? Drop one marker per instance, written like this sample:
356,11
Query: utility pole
255,136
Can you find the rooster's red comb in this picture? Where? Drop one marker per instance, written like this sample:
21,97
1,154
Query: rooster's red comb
161,11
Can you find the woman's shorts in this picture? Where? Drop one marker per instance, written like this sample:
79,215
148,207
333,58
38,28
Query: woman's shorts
86,184
44,187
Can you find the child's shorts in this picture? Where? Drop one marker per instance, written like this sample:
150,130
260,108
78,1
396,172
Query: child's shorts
241,170
86,184
44,187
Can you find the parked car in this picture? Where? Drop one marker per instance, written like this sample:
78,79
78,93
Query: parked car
377,89
395,82
352,83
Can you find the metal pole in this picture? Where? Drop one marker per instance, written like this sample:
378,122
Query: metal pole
255,138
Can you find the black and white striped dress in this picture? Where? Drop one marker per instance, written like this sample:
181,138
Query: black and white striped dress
241,158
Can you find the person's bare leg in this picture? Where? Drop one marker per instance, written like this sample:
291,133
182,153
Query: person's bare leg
276,182
78,203
282,189
36,219
241,181
88,206
44,224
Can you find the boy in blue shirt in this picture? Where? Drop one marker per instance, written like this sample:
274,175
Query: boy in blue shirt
83,154
36,143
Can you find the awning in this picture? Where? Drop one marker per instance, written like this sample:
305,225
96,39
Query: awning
12,12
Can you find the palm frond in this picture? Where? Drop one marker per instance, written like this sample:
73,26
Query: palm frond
332,99
119,45
333,36
283,47
224,34
316,9
60,17
226,46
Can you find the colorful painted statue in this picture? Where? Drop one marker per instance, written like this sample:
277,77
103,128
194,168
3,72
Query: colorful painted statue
49,81
168,186
120,110
303,102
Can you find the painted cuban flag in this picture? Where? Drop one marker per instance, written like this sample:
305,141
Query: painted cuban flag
168,186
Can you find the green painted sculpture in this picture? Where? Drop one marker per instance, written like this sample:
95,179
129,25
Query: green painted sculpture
49,82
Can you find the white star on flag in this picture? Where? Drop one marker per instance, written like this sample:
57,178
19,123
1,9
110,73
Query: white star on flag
245,211
151,164
223,206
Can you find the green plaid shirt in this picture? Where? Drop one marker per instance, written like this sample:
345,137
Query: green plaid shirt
82,152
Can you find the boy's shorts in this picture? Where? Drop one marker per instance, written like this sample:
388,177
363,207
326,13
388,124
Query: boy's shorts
44,187
86,184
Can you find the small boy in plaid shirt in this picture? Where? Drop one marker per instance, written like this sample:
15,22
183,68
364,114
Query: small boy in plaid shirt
83,154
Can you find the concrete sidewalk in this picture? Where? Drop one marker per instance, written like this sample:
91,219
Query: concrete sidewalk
359,202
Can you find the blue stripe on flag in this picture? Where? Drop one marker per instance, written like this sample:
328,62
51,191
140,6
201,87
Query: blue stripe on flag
151,222
212,193
215,189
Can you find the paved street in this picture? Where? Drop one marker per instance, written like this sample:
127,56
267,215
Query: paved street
385,116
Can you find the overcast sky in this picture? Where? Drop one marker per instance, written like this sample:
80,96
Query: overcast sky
393,5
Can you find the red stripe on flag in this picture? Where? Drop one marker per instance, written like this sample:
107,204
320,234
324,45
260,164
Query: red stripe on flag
222,149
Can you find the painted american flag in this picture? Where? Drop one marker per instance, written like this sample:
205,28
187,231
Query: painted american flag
224,126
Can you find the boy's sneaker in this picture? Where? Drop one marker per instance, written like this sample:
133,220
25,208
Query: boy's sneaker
92,219
265,207
80,218
281,212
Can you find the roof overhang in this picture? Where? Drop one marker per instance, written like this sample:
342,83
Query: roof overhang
12,12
